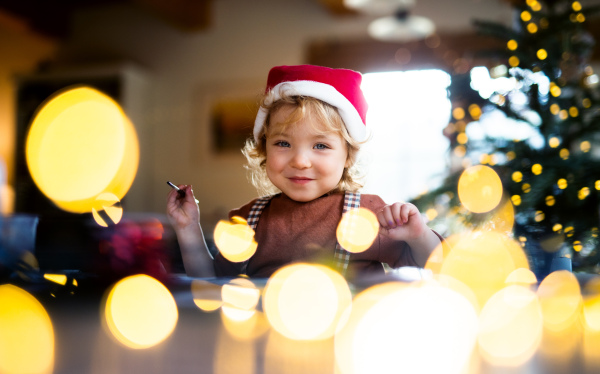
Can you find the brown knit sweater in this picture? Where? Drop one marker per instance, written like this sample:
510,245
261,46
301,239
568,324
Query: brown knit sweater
289,231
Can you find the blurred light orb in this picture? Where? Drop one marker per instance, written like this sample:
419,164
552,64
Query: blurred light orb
244,325
140,312
362,303
517,176
107,209
591,305
439,338
26,333
510,327
502,219
306,302
560,299
81,144
483,260
357,230
235,240
479,189
56,278
562,183
521,277
240,293
207,295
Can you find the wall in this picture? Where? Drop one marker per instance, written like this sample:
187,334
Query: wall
21,51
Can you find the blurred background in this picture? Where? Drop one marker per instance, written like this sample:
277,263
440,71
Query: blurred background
188,75
484,113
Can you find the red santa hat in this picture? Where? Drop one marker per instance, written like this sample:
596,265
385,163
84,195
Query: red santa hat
337,87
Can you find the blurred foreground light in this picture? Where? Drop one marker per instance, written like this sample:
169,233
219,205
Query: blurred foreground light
207,295
479,189
483,260
560,298
510,327
56,278
235,240
81,144
107,209
502,218
521,277
140,312
413,329
306,302
241,293
357,230
244,325
26,333
591,306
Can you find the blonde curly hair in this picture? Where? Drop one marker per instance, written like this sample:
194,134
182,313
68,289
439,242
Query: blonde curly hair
328,120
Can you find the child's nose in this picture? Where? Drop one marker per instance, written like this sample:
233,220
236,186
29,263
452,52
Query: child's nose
300,160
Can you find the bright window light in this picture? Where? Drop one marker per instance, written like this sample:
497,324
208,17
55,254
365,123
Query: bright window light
407,153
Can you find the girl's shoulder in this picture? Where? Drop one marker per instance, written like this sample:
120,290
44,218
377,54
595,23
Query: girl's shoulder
371,202
244,210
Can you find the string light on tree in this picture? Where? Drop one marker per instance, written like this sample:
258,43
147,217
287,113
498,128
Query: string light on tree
585,146
573,111
552,92
532,28
542,54
562,183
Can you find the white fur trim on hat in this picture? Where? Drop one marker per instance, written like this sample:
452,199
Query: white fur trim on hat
324,92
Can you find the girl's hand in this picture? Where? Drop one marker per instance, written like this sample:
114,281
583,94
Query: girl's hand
182,212
401,221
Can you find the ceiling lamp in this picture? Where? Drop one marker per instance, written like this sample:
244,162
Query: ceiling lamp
401,27
378,7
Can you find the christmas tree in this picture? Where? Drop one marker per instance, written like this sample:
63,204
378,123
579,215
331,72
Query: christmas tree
533,115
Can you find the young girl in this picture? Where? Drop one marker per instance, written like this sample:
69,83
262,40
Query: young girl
307,134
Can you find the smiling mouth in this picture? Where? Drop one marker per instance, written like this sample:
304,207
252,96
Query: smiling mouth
300,180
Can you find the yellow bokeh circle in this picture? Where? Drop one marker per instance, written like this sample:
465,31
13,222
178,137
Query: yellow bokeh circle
306,302
107,209
443,325
357,230
510,326
479,189
483,260
207,295
140,312
240,293
26,333
235,240
81,144
560,299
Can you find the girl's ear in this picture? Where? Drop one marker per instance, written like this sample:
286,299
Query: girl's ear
349,162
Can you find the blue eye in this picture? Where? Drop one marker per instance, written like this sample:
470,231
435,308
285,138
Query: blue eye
282,143
321,146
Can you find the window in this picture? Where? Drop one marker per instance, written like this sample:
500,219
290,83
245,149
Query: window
407,153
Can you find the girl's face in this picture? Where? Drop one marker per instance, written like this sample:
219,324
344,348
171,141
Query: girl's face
301,161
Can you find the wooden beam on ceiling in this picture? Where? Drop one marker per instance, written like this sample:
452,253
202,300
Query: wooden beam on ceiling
185,15
336,7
